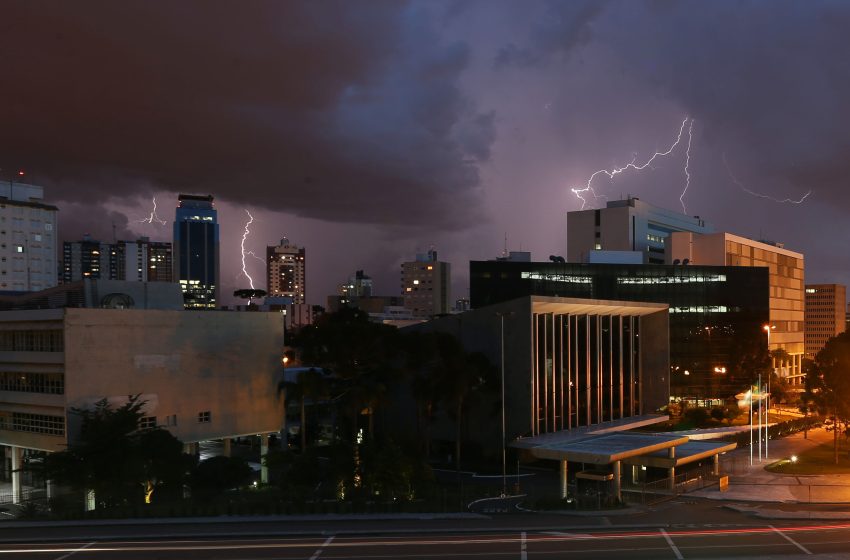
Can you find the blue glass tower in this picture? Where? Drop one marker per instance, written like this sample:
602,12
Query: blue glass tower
196,252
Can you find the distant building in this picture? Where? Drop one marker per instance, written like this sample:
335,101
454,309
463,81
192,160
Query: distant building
787,298
196,251
28,239
825,315
142,260
357,286
425,285
286,271
626,232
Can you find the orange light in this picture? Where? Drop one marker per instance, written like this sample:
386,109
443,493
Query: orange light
20,173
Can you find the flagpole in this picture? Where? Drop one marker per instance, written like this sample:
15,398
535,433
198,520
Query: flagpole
759,417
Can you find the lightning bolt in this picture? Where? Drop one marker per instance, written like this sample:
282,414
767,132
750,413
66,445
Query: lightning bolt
759,195
153,217
687,163
611,173
245,253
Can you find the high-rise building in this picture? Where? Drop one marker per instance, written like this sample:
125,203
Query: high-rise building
825,315
626,232
196,251
28,245
425,285
786,324
357,286
142,260
286,271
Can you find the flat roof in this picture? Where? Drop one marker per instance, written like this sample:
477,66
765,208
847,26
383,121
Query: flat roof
689,452
607,448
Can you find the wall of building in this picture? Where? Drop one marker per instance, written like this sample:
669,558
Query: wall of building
825,315
182,363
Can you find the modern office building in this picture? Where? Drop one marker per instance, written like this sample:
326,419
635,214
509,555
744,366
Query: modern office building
426,284
716,312
191,368
626,231
142,260
196,251
787,297
28,239
825,315
286,271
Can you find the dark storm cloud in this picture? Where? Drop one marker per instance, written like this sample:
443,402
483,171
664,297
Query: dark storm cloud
766,81
332,110
77,219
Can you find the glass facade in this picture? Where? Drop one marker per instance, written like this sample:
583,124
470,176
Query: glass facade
716,313
196,248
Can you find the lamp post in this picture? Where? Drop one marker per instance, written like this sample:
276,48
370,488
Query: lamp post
502,315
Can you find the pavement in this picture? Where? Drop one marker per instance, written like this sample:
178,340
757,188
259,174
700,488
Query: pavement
751,483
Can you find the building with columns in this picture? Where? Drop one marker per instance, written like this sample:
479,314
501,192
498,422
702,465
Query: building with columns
203,375
578,375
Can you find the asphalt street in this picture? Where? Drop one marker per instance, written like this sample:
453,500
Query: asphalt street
758,541
674,529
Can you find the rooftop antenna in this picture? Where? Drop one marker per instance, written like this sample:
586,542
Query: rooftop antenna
114,236
505,251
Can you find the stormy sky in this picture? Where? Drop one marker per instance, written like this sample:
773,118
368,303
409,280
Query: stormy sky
369,131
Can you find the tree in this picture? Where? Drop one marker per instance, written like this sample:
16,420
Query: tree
113,457
216,474
828,383
309,385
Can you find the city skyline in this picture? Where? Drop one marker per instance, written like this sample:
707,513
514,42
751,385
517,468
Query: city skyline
476,128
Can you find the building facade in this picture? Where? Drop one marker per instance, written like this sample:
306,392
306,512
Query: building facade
196,251
568,362
716,312
28,239
286,271
426,284
825,315
787,297
142,260
191,369
626,231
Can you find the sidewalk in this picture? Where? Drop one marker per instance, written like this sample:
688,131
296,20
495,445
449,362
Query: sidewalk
754,484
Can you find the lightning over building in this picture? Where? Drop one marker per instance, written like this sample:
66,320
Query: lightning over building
687,164
760,195
611,173
153,217
245,235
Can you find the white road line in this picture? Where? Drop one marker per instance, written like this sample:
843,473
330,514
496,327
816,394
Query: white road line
76,551
523,553
790,540
321,548
672,544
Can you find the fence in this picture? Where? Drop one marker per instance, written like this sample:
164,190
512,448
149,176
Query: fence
27,495
660,490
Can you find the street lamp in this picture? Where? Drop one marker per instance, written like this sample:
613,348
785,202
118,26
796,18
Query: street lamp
502,315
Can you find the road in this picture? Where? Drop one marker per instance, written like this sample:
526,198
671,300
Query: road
674,530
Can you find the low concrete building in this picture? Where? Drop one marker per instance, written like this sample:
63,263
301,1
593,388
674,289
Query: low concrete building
204,375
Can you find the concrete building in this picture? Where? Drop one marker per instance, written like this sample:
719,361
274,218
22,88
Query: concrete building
825,315
626,232
196,251
787,298
142,260
359,285
286,271
426,284
577,374
28,239
203,375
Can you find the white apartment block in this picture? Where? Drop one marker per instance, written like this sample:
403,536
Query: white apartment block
28,239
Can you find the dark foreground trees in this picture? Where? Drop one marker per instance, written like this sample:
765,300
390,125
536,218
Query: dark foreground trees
828,383
121,463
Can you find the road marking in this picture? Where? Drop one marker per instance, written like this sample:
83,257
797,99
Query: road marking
672,544
790,540
76,551
523,553
321,548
